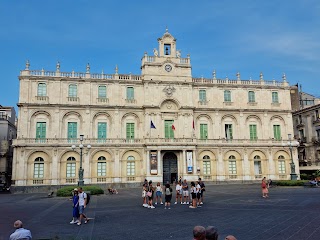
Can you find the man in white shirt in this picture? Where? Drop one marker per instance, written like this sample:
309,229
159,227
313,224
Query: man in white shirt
82,205
178,192
20,233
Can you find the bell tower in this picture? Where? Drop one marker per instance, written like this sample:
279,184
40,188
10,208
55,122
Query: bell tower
166,64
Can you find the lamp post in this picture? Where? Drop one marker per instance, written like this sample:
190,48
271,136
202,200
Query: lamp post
81,170
293,175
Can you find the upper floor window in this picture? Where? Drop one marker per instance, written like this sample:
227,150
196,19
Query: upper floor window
203,131
300,119
251,96
318,134
41,131
253,132
228,131
275,97
301,133
73,91
130,130
72,130
317,114
130,93
167,49
168,129
276,132
227,96
42,89
102,92
202,95
102,130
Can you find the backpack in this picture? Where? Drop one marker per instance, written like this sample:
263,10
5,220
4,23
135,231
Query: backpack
88,198
168,192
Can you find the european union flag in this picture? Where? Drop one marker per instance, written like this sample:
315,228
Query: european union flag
152,125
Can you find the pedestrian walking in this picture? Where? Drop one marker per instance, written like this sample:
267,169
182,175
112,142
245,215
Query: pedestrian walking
75,210
168,196
82,203
158,194
264,188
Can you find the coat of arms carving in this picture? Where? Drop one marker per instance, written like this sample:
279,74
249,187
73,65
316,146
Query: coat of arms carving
169,90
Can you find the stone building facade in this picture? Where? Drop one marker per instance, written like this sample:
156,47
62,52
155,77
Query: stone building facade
159,125
8,132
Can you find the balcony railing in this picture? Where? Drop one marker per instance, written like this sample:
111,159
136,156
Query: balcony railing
65,142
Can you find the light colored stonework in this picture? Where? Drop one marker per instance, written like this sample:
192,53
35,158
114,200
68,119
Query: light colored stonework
165,90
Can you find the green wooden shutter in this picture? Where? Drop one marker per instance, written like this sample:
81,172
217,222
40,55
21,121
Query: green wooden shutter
130,130
102,130
275,98
72,130
168,131
72,90
202,95
130,93
251,96
253,132
203,131
227,96
228,131
276,132
41,131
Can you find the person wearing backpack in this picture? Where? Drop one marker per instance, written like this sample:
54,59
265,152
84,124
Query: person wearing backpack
168,196
83,201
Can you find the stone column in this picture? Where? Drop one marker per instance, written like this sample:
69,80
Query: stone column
271,165
246,167
117,175
220,167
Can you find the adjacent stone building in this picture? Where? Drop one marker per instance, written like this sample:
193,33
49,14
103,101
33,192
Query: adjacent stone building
8,132
159,125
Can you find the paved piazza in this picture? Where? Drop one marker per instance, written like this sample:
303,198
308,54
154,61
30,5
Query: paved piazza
289,213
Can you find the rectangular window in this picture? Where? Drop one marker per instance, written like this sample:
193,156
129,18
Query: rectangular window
167,49
300,119
102,92
42,89
228,131
38,170
317,114
232,167
41,131
301,133
168,131
203,131
276,132
71,170
257,168
275,97
318,134
130,130
282,167
102,130
131,168
202,95
227,96
72,90
102,169
130,93
206,168
251,96
72,130
253,132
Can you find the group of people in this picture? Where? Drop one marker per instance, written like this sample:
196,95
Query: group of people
79,200
209,233
194,197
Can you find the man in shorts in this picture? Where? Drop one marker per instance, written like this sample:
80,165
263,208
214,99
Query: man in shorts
203,189
185,192
178,193
82,205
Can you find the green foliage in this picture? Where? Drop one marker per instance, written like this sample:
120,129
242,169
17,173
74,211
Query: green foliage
67,191
317,173
291,182
304,176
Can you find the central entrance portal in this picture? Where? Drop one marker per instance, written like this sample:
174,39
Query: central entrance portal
170,167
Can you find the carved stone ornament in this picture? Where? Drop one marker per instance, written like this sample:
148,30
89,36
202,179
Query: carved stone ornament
169,90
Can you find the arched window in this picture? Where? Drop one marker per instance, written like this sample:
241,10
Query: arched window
130,166
282,165
71,167
42,89
102,166
38,168
257,165
232,165
206,165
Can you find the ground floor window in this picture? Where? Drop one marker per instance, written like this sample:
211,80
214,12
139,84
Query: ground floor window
282,165
131,166
232,165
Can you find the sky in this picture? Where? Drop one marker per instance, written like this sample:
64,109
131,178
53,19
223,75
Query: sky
230,36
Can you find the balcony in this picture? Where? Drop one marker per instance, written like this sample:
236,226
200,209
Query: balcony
44,99
73,99
141,142
203,102
102,100
131,101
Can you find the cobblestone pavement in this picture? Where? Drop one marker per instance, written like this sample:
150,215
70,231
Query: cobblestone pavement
289,213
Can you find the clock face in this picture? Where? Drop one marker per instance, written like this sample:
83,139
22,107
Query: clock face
168,68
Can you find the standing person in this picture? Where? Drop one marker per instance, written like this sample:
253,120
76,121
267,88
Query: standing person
178,193
168,196
158,194
185,192
20,232
203,189
193,191
198,190
82,203
144,195
150,192
75,211
264,188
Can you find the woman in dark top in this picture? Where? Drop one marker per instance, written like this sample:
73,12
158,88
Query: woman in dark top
168,196
150,195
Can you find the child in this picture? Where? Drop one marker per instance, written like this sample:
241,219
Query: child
75,212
